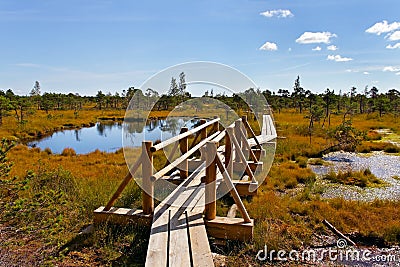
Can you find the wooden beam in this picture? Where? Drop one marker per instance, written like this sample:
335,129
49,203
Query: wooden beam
242,157
232,189
122,216
180,136
176,162
240,167
247,125
230,228
124,183
246,188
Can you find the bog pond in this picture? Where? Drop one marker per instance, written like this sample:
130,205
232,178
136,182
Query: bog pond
384,166
109,136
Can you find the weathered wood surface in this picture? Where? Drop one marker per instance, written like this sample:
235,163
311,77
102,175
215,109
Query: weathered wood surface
178,235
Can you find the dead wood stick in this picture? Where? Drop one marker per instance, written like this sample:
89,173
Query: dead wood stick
338,233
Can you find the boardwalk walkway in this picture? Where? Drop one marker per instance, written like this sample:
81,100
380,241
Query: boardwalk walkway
182,222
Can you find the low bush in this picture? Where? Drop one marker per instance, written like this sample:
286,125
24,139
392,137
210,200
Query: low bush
68,152
357,178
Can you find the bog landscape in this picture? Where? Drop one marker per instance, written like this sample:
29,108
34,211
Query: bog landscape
336,162
199,133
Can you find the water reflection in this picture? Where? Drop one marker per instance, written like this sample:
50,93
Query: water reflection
108,136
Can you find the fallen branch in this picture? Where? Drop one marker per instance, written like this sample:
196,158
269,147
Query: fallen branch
338,233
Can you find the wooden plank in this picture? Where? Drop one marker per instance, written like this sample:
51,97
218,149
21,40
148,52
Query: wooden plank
230,228
201,252
157,254
246,188
121,216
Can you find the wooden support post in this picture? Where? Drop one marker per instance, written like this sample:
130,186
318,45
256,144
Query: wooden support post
147,172
183,144
238,136
228,151
210,193
244,122
216,124
203,135
216,127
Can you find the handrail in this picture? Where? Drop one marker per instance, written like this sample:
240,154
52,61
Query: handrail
180,136
179,160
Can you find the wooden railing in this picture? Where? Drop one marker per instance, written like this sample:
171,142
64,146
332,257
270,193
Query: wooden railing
236,142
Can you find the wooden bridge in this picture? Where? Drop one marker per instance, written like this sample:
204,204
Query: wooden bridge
183,221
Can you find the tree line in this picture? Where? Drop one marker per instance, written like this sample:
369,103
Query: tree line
315,106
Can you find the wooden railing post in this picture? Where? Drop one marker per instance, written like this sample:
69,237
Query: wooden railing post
216,127
238,136
228,151
184,146
244,122
203,135
147,172
211,176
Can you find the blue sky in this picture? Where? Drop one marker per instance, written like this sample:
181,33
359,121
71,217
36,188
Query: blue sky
88,45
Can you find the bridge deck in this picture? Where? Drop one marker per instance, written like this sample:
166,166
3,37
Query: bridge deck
178,235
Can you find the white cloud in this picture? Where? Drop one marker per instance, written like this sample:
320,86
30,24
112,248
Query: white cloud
382,27
389,46
318,48
391,69
315,37
28,65
398,73
332,48
280,13
290,49
394,36
269,46
338,58
366,73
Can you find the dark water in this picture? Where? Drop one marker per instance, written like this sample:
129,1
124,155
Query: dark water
110,137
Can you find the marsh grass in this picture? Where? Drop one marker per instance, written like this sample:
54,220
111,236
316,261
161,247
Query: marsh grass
363,178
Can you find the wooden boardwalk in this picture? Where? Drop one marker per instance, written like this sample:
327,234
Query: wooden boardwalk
178,234
182,222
